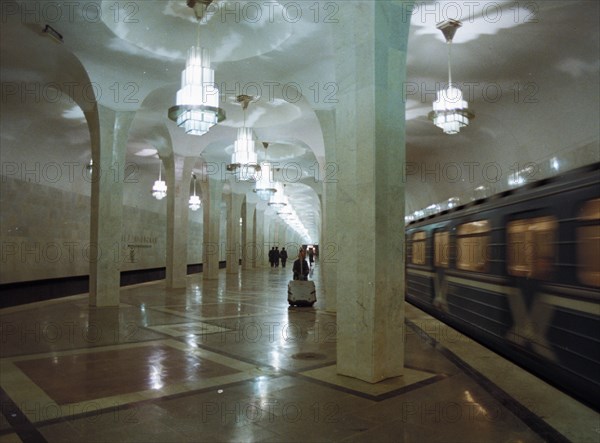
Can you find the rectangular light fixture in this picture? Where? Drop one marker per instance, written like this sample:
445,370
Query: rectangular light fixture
53,33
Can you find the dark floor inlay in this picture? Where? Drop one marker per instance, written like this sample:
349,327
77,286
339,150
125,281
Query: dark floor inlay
87,376
308,356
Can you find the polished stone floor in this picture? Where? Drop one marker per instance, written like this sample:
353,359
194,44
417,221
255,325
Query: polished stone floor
228,360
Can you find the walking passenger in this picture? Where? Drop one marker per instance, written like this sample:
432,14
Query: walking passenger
272,256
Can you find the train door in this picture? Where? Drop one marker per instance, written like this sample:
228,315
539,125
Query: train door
441,260
418,268
588,244
531,253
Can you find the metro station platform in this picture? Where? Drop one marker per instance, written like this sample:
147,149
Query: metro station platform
228,360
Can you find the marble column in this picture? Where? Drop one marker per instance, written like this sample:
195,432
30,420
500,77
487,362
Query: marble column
234,210
178,175
212,191
249,249
328,247
269,231
291,245
109,144
370,55
276,230
257,255
262,259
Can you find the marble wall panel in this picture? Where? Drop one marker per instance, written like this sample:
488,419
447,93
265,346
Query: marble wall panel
45,232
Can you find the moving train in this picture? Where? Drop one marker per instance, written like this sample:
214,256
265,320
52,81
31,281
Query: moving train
520,273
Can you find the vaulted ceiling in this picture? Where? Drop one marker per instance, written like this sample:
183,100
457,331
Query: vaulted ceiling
530,71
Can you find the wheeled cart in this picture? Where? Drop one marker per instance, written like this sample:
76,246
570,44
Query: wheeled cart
302,293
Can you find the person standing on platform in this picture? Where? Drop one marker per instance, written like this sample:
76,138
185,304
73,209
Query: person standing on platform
283,255
276,256
311,257
301,268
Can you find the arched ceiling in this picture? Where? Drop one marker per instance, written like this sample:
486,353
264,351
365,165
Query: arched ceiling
530,71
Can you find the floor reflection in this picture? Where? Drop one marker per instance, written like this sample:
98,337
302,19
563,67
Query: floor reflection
229,360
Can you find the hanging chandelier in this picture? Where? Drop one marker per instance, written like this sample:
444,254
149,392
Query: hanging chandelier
244,161
278,199
287,213
195,203
90,168
289,216
450,111
197,102
265,187
159,190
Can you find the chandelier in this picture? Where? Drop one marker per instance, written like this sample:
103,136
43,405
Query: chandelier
289,216
450,111
195,202
287,213
244,161
159,190
278,199
265,186
90,168
197,102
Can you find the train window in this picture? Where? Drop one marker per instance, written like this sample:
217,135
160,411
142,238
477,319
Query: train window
588,244
531,247
471,245
418,248
441,243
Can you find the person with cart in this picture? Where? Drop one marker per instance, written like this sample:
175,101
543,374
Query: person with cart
301,291
301,268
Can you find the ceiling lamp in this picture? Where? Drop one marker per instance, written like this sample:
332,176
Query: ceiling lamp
278,200
159,190
90,168
244,161
265,186
57,36
197,108
450,111
287,213
195,202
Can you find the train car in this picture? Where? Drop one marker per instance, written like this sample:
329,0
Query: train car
520,273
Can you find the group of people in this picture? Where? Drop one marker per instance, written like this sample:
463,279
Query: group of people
275,255
301,268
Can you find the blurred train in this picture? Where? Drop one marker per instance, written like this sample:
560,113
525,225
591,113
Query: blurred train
520,273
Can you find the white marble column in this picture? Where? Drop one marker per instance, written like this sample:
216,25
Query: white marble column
291,240
234,210
109,144
178,175
270,231
257,251
328,248
212,191
262,259
291,245
249,249
280,235
370,55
